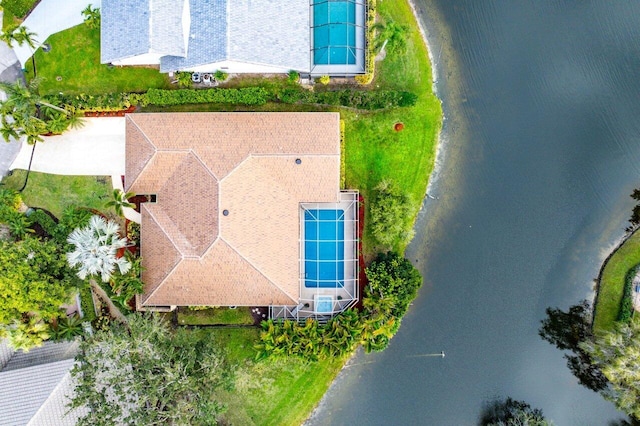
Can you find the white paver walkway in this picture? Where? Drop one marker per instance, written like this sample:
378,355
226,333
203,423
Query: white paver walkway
50,17
97,149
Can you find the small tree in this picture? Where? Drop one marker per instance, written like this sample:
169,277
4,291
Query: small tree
388,212
34,283
95,250
119,201
91,16
391,33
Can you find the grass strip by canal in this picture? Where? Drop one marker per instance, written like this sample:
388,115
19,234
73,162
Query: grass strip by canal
612,282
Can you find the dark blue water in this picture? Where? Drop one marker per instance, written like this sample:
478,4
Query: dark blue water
542,149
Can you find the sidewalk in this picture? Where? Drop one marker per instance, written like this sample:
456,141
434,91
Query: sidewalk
50,17
97,149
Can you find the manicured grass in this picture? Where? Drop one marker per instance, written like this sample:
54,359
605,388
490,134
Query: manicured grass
75,57
55,192
10,7
612,283
213,316
271,392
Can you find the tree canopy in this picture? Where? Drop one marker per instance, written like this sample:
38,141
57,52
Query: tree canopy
617,354
34,283
567,331
145,374
511,412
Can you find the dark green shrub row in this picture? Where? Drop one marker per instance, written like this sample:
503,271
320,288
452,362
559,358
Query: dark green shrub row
360,99
18,8
245,96
626,304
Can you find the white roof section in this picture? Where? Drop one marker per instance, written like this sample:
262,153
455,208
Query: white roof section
270,33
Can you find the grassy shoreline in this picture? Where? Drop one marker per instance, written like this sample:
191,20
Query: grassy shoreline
611,282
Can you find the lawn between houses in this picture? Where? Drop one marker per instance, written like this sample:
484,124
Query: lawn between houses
284,391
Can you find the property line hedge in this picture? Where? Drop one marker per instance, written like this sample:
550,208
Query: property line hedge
626,303
358,99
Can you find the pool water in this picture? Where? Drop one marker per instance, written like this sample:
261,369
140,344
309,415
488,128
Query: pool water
324,248
334,32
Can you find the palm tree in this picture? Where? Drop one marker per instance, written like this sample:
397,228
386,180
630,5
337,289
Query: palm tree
96,246
394,34
119,201
18,34
91,16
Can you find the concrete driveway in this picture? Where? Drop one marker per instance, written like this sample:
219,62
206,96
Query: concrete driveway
97,149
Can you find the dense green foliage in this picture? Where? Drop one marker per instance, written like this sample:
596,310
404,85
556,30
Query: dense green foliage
617,354
246,96
568,331
626,304
393,278
511,412
34,283
147,375
393,284
387,214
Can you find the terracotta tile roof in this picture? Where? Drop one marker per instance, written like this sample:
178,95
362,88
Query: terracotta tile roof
245,163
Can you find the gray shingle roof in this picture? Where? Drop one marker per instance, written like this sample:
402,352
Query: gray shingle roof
124,29
167,36
270,33
34,384
207,36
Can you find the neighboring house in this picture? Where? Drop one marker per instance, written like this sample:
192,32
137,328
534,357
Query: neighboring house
244,209
236,36
35,385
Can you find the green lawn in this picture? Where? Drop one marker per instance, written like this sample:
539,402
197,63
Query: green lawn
75,59
55,192
213,316
271,392
612,283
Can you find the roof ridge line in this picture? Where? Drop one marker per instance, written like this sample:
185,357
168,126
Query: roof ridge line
146,138
272,282
204,165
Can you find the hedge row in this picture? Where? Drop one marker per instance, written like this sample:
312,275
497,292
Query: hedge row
626,304
359,99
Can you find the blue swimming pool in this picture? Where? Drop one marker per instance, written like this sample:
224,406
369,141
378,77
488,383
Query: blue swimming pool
334,32
324,248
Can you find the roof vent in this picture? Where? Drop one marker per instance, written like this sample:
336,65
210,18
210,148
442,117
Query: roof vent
298,161
225,212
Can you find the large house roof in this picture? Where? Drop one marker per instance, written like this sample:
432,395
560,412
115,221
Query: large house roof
261,32
225,229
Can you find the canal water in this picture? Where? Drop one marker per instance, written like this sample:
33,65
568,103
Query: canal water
541,151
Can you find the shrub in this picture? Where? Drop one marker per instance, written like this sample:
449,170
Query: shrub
293,76
221,75
246,96
388,213
394,278
360,99
183,79
45,221
133,232
626,303
370,65
325,79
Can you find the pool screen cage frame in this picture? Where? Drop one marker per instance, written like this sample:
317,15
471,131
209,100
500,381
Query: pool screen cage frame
343,297
359,49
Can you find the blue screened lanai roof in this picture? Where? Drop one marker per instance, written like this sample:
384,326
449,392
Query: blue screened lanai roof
207,36
338,35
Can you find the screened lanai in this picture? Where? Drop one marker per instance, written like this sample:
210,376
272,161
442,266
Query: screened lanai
338,37
328,260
